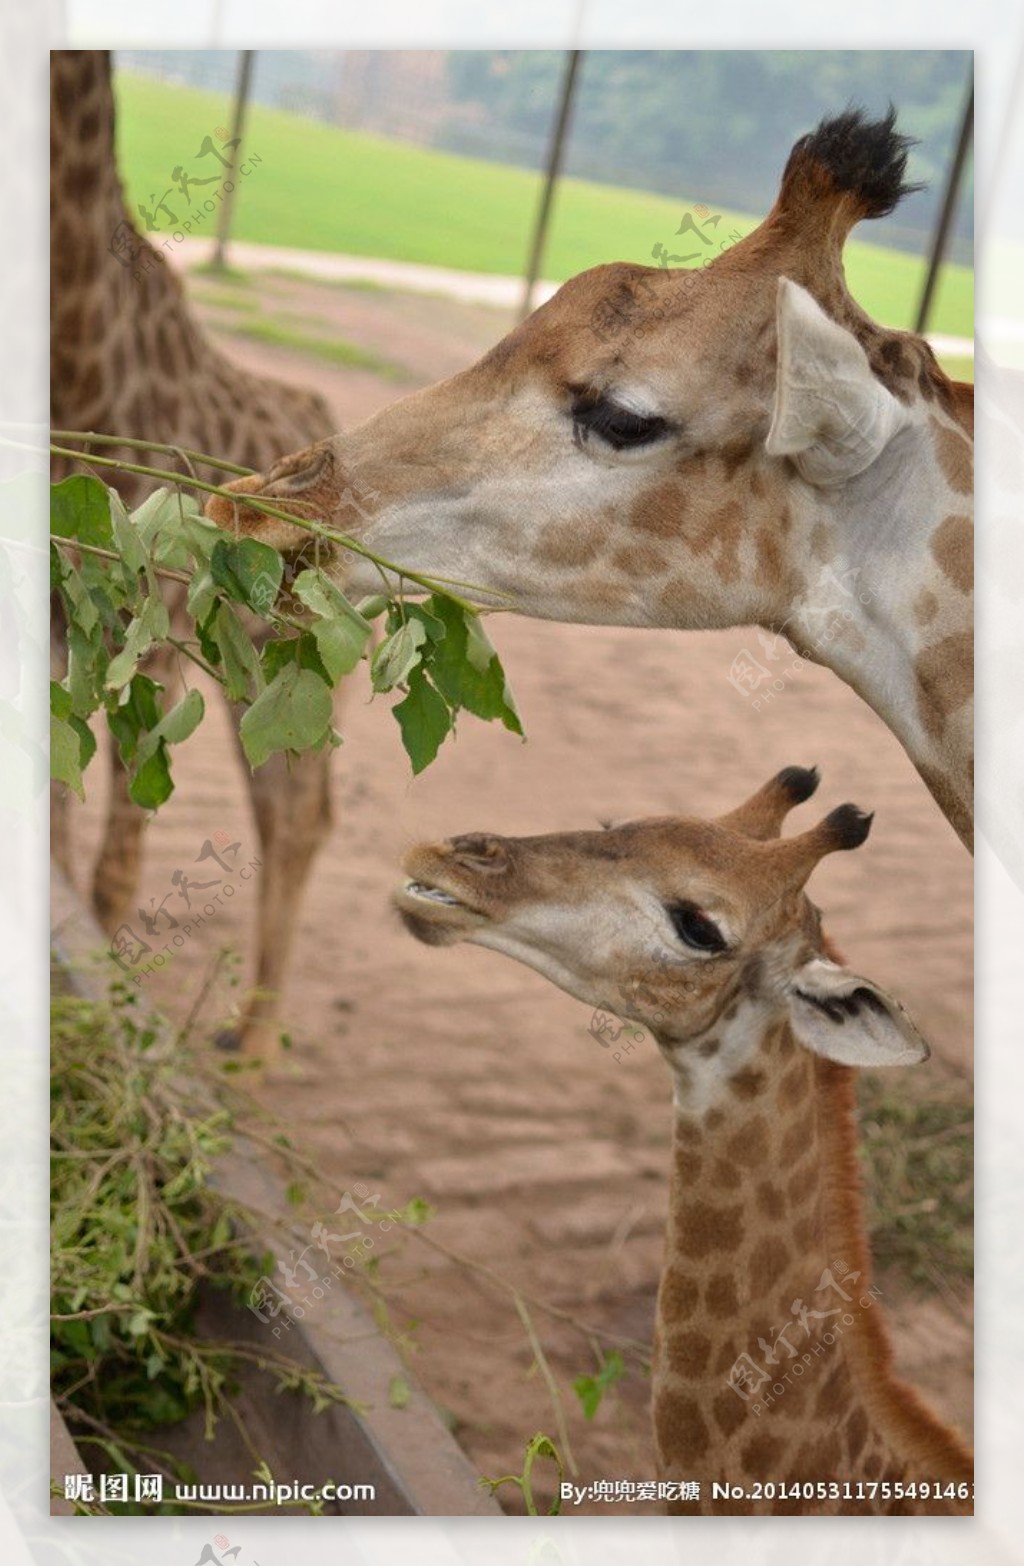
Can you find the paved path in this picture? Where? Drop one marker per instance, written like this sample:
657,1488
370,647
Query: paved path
472,287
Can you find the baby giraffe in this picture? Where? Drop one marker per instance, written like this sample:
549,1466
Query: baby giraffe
772,1381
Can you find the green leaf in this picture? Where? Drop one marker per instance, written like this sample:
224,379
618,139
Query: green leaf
202,596
466,668
341,632
87,663
169,524
248,571
175,726
86,737
60,701
80,509
399,1392
66,755
416,1212
397,655
436,629
424,719
371,607
130,547
78,602
136,714
201,536
183,719
151,785
243,675
591,1389
291,714
302,650
205,624
150,625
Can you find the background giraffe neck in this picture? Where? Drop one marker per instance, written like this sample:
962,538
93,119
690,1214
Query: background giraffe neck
765,1229
86,195
127,356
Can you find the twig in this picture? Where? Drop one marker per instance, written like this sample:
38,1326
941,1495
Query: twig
86,1315
111,554
90,437
641,1349
552,1385
200,663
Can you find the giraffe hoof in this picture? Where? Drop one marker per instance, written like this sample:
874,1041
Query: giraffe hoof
229,1040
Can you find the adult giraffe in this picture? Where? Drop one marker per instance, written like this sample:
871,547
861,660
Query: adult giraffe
127,357
737,445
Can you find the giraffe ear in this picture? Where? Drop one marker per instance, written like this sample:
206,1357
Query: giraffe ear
831,415
848,1019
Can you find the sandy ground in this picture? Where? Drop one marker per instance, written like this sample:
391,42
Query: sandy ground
456,1076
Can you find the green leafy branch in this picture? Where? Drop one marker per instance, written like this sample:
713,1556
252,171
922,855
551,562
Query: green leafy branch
138,1226
107,566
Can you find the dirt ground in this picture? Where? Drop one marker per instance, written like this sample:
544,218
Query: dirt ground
458,1077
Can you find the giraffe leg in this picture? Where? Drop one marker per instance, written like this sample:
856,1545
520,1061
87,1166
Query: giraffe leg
292,805
116,871
60,828
60,794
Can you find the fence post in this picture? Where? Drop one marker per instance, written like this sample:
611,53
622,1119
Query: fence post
574,56
949,200
237,124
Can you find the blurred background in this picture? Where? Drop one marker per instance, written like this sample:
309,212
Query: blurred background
435,157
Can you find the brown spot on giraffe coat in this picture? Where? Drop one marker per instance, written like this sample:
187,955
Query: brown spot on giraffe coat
560,545
702,1228
952,548
956,458
945,679
680,1426
925,607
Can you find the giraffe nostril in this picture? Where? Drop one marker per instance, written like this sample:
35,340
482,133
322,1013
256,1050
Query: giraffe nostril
480,851
300,470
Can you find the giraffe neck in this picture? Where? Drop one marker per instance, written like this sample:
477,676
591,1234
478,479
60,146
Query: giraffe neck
879,588
874,579
85,185
770,1357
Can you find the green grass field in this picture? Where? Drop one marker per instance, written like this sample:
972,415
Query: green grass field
318,187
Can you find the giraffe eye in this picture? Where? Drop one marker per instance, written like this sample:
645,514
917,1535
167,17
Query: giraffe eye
695,929
619,427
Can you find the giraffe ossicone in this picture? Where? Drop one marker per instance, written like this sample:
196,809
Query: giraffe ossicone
765,1366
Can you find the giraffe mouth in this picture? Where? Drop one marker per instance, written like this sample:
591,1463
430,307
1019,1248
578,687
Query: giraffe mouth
433,914
433,894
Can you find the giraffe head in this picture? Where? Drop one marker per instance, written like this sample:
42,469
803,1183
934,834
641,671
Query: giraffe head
678,923
638,450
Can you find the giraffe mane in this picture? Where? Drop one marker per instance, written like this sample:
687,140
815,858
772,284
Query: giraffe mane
895,1404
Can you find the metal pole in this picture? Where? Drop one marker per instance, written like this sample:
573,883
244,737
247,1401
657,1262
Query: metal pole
573,58
949,201
237,124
